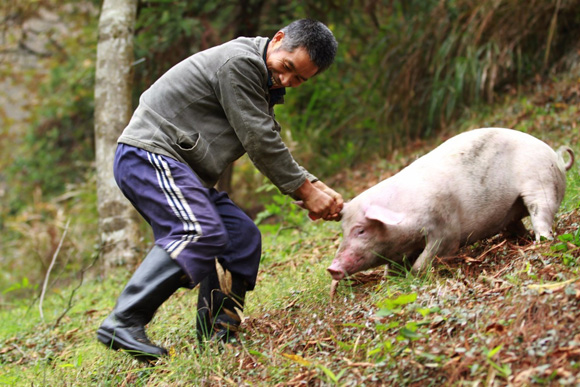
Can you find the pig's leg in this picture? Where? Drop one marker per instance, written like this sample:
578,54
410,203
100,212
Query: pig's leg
542,208
425,257
442,246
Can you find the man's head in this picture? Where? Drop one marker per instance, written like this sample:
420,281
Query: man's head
315,37
299,51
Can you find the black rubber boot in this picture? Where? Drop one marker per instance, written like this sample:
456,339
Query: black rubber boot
217,308
154,281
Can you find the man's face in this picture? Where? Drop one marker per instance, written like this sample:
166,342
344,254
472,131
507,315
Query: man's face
289,69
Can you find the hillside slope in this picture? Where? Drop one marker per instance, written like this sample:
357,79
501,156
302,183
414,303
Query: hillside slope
502,312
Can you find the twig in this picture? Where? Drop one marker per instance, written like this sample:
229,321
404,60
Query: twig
44,286
19,350
553,25
69,306
494,247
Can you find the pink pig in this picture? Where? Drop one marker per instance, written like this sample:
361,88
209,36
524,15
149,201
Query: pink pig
473,186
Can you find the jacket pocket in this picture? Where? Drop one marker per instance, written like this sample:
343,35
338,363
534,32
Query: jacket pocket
195,151
192,148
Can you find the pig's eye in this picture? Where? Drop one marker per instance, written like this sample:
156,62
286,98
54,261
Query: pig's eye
359,231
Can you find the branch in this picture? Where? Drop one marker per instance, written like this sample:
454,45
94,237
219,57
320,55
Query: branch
553,27
44,286
69,306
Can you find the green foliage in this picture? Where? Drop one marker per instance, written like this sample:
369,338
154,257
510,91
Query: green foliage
282,208
408,69
422,64
35,232
572,199
57,145
568,247
169,31
566,240
411,330
503,370
24,284
390,306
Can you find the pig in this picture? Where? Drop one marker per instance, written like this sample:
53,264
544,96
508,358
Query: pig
471,187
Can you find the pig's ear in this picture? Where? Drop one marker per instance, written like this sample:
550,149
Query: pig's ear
383,215
343,211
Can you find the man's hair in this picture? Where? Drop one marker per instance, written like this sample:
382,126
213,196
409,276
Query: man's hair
315,37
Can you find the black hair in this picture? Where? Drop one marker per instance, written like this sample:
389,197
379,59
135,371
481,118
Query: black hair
315,37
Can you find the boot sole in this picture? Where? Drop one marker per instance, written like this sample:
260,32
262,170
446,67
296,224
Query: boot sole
115,342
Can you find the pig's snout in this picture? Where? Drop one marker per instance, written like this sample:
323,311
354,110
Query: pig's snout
336,271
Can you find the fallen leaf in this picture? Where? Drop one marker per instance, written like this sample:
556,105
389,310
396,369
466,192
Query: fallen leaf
553,286
297,358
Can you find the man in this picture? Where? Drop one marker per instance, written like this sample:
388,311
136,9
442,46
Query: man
199,117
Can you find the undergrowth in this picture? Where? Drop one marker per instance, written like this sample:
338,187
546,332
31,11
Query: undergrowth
502,311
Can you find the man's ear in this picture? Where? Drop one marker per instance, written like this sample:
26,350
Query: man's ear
277,39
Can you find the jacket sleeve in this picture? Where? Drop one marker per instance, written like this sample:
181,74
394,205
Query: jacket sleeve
240,88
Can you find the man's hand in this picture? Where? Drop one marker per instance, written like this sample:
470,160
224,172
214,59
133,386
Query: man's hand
338,200
321,201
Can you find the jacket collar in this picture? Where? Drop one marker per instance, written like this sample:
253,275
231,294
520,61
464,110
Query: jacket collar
276,95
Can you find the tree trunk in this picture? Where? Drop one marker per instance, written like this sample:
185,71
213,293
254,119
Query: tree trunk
118,221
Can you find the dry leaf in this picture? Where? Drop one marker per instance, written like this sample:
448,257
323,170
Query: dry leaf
225,278
297,358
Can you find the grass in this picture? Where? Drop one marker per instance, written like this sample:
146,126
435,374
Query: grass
502,312
479,317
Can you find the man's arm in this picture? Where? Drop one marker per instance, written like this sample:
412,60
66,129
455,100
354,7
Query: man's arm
240,90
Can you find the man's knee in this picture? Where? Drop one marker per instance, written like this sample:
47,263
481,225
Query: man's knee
217,236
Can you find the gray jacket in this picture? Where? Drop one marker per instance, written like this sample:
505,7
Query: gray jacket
210,109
